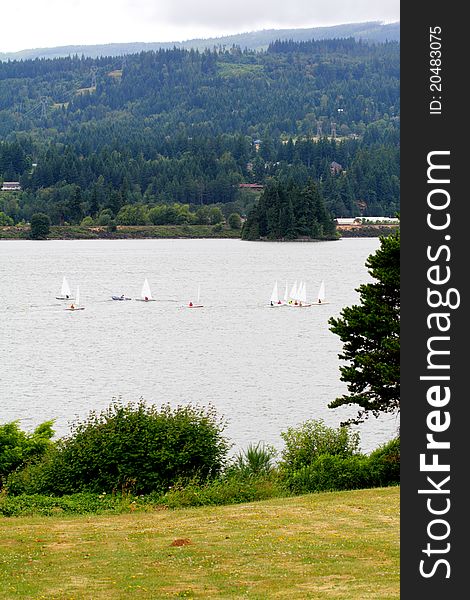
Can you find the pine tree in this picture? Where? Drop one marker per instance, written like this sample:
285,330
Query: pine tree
370,335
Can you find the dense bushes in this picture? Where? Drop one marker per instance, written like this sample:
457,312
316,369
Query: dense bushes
133,456
132,447
18,448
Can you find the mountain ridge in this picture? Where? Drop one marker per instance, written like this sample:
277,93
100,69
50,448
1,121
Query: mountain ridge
373,31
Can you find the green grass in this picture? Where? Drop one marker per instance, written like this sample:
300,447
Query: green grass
340,545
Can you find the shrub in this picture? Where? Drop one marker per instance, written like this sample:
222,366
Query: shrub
256,460
330,473
5,219
17,447
218,228
40,226
235,221
303,444
87,222
137,448
105,217
224,490
111,227
385,463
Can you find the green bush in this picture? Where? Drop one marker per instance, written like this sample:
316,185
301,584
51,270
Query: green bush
234,221
111,227
40,226
5,219
385,463
136,448
330,473
257,460
305,443
83,503
87,222
225,490
17,448
105,217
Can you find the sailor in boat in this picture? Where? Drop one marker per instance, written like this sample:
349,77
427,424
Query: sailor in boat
319,301
146,298
279,302
272,303
72,307
190,304
122,296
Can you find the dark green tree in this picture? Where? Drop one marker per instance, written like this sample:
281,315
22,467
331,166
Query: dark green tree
40,226
370,335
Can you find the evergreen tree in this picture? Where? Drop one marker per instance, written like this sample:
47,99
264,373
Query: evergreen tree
370,335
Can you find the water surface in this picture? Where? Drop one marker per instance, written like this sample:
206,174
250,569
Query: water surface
263,369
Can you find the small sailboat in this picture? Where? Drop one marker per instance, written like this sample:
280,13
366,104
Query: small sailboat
321,295
121,297
146,294
292,294
303,296
196,304
275,301
75,304
65,293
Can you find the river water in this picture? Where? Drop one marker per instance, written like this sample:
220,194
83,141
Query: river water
262,369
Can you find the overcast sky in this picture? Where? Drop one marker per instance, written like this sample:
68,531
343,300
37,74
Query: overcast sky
28,24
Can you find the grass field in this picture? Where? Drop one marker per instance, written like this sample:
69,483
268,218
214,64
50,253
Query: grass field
341,545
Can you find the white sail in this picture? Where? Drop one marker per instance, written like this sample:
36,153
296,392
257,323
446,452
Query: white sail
303,293
275,294
286,294
65,289
321,292
146,293
293,291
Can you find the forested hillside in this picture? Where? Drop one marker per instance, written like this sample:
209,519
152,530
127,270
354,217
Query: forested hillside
83,135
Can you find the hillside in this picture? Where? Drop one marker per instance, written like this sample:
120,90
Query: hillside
84,135
255,40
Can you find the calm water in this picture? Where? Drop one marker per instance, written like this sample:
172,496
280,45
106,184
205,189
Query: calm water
263,369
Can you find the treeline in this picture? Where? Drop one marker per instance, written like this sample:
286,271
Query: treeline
188,127
286,211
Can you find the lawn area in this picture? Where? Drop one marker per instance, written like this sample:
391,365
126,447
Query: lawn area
339,545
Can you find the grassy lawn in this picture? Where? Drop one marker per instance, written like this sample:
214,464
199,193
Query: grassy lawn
341,545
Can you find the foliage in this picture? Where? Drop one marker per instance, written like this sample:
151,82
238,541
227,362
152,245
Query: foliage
329,472
287,211
5,219
311,439
136,447
40,226
193,142
87,222
17,447
370,335
256,460
231,489
234,221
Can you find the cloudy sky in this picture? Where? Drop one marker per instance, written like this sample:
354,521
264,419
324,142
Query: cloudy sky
28,24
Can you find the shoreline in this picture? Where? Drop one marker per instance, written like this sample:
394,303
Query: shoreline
123,232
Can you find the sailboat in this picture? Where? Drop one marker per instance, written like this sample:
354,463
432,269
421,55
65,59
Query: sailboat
197,303
121,297
275,301
293,294
146,294
321,295
65,293
300,298
75,304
